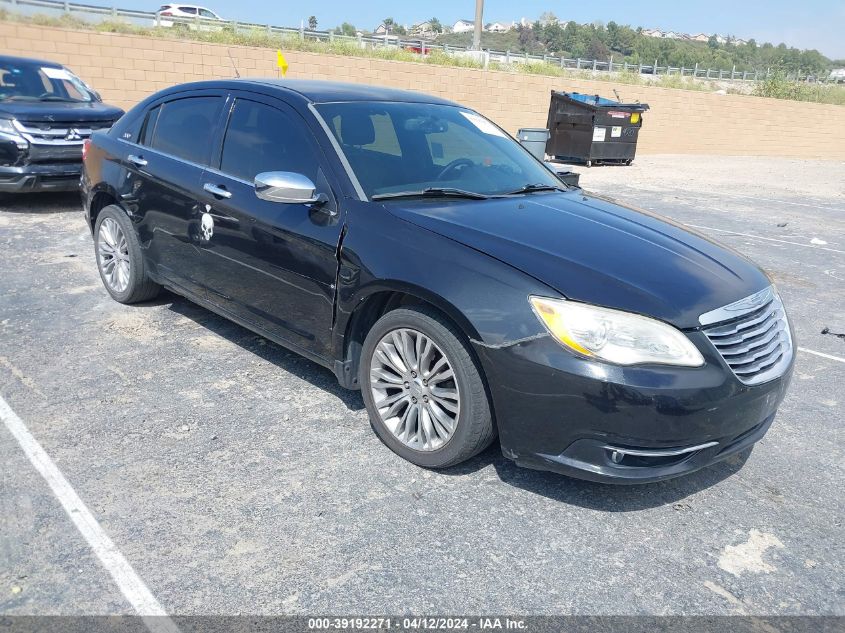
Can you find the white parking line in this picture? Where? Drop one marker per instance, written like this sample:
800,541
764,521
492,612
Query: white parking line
796,204
129,583
770,239
822,354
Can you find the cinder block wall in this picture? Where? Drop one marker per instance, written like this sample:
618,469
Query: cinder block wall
127,68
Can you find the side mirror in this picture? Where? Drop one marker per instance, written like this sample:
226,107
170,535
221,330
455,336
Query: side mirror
287,187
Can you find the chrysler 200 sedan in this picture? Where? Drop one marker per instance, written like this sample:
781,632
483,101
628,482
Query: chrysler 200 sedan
414,248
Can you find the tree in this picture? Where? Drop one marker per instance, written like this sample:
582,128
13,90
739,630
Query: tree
597,50
436,27
547,17
312,23
713,42
400,30
527,38
388,24
346,29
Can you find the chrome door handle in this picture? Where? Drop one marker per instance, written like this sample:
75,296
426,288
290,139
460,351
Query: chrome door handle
137,160
220,192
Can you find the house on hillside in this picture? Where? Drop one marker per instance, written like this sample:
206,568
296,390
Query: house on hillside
671,35
423,29
740,42
381,29
463,26
498,27
700,37
652,32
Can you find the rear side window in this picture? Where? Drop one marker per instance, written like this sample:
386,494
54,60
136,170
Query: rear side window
262,138
184,127
149,126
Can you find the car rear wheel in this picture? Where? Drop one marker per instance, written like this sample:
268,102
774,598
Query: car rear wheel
423,389
119,258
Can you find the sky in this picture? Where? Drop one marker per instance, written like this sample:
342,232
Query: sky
818,24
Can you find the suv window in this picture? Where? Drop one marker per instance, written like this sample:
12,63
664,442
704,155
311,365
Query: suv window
184,127
191,10
208,14
262,138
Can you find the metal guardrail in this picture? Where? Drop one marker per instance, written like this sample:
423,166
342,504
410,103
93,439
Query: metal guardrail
152,19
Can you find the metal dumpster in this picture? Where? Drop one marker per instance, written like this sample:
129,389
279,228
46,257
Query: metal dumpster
590,129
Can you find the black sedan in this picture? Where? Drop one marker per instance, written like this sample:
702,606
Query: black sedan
413,247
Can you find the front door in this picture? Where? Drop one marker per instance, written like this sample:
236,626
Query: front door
269,263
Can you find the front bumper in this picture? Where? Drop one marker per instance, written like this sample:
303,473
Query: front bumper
40,177
607,423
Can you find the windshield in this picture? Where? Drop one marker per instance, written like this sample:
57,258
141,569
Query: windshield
413,147
31,82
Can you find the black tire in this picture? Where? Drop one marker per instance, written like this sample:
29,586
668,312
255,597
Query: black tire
474,430
140,286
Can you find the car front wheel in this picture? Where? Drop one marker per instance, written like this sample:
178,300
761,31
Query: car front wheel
423,389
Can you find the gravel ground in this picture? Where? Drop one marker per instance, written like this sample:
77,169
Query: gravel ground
237,477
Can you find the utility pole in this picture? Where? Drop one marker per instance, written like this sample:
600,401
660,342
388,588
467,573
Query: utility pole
479,16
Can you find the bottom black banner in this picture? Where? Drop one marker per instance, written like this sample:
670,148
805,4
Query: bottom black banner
409,623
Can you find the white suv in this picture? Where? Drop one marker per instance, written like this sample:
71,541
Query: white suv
188,16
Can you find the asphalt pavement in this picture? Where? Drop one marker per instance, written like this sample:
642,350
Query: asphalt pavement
238,478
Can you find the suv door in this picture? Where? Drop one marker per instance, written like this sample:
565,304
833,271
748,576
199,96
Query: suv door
272,264
164,184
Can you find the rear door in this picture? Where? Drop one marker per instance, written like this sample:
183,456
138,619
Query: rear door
164,184
269,263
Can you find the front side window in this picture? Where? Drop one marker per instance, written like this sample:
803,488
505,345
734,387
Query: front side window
407,147
184,128
262,138
32,82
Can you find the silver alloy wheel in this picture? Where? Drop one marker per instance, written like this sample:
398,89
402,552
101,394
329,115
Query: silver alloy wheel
414,389
113,255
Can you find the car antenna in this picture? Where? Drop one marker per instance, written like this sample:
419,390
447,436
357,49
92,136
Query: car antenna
234,66
618,98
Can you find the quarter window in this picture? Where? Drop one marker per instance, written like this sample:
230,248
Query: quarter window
262,138
149,126
184,128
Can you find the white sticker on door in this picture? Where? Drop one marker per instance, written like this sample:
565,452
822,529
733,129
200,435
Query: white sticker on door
616,131
599,134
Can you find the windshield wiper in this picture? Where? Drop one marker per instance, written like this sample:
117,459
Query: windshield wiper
58,98
535,187
433,192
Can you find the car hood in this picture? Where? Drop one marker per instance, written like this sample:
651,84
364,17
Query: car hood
594,250
59,111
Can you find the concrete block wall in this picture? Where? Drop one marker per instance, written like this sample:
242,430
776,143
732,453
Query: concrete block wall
127,68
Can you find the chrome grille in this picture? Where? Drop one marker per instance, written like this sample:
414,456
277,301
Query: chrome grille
48,133
752,335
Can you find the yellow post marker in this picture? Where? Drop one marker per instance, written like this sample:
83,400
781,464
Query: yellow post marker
281,62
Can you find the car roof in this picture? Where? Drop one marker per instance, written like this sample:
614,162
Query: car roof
315,91
10,59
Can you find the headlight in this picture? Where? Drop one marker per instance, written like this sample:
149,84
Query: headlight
7,130
6,127
618,337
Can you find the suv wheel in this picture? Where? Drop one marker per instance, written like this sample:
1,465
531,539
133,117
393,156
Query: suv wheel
423,389
119,259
